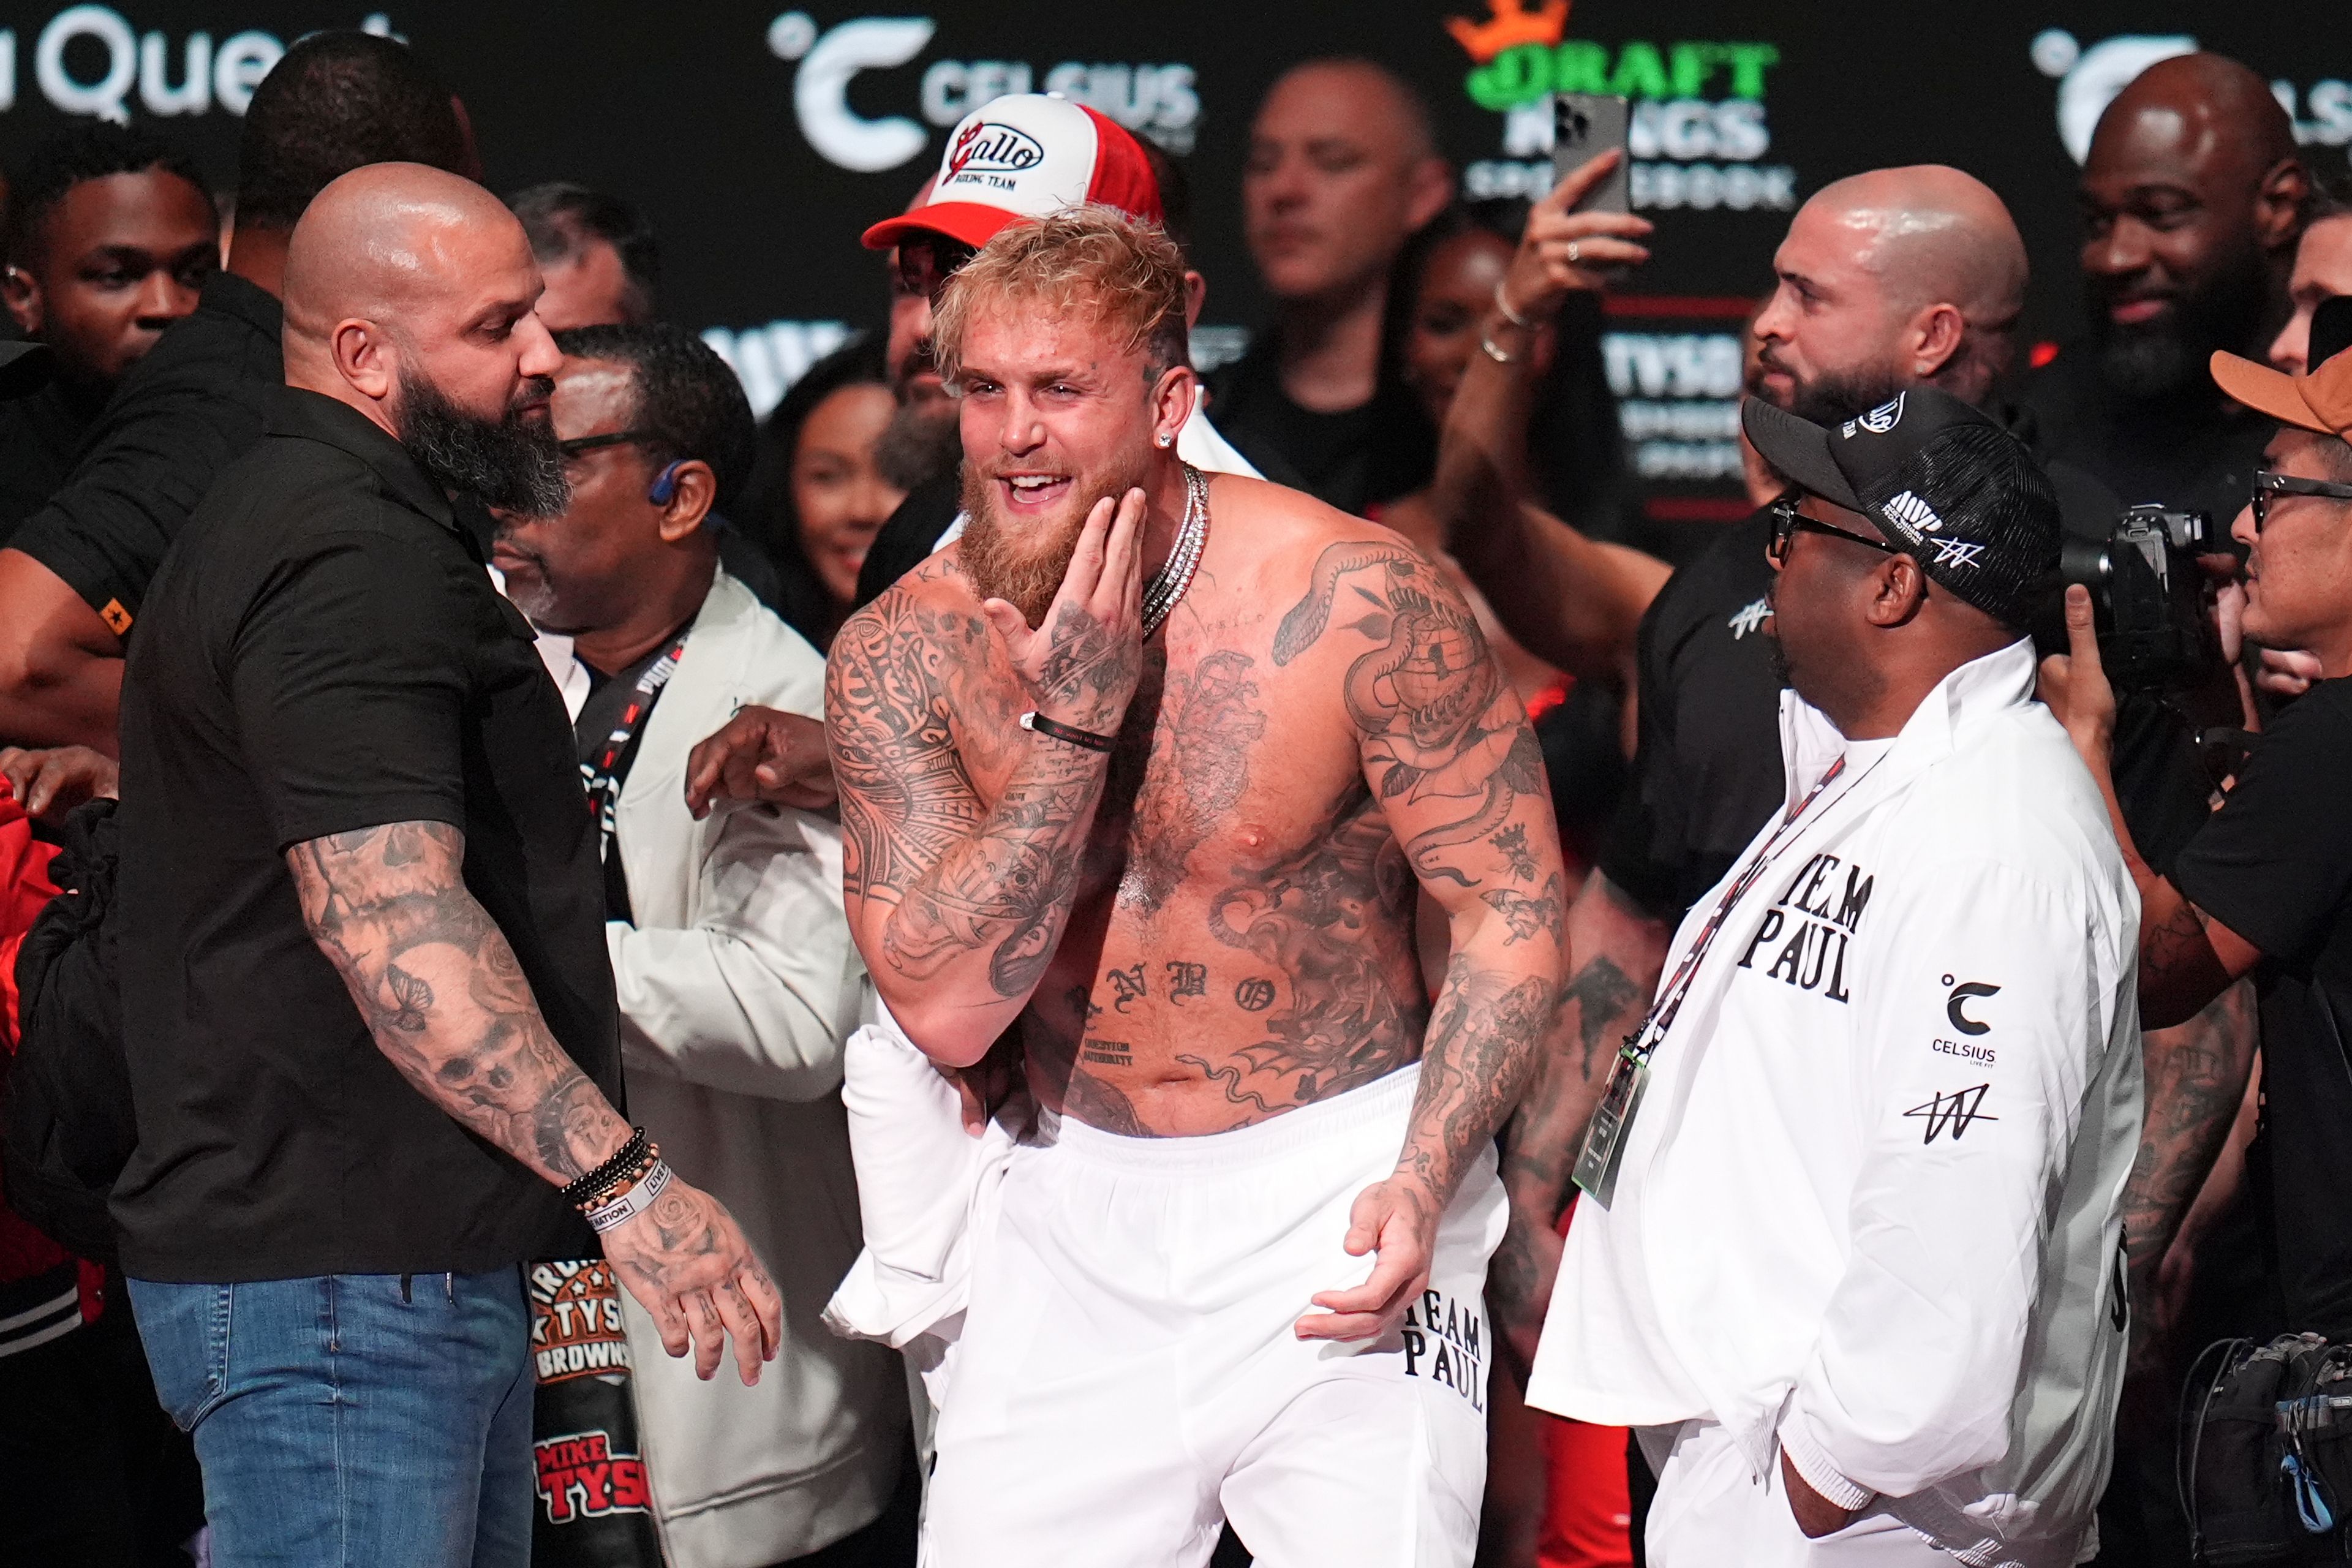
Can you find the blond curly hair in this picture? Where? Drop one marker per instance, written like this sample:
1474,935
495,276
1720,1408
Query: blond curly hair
1092,261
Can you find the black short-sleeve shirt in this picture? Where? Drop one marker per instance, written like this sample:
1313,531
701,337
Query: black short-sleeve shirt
323,652
2275,865
180,416
1706,761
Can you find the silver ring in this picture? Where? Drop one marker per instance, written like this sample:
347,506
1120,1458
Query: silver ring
1571,253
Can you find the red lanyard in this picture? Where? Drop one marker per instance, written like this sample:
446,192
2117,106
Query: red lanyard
1641,1045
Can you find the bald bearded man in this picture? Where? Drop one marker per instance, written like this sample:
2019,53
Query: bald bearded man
367,1007
2192,197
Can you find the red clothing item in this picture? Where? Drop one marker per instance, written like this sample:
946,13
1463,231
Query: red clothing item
1588,1505
25,888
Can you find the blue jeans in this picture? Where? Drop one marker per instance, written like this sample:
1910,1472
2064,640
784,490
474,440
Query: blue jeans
353,1418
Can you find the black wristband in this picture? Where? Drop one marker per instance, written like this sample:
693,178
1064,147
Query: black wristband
591,1186
1033,720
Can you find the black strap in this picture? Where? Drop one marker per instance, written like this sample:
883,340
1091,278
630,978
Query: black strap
604,774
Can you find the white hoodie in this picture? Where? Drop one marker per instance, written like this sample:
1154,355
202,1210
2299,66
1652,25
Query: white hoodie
1868,1208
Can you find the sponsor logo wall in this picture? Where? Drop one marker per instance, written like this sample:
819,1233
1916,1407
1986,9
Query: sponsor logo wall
762,139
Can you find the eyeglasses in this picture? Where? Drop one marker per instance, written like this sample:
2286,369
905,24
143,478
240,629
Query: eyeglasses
1788,523
579,444
2268,484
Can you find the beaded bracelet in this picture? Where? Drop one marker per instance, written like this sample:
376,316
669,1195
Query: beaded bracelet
593,1187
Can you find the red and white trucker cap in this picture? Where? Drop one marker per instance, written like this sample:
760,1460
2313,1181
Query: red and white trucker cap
1024,155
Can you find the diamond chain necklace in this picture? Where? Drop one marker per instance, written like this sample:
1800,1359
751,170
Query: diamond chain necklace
1169,584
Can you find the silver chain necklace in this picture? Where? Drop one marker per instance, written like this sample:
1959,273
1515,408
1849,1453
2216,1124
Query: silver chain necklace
1168,584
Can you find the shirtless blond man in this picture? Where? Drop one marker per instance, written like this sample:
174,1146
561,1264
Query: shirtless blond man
1174,868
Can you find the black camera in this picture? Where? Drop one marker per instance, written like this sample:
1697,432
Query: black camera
2153,603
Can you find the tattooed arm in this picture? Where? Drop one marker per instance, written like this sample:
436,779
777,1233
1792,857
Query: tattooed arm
440,991
958,905
1447,751
1617,951
2197,1074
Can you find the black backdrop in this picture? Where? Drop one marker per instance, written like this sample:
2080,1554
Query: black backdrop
731,123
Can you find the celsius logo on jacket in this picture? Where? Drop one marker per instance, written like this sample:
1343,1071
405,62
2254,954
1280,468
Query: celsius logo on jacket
1801,940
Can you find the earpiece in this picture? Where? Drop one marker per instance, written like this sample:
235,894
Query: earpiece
665,485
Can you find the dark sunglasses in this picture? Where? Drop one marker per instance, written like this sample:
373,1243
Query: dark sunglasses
2268,484
1788,523
579,444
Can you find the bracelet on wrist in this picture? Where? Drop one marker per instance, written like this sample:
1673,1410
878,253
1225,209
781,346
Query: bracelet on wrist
1503,303
1069,734
1486,344
632,1201
593,1187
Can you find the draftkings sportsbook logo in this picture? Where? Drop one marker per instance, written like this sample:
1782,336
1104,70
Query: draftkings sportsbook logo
1699,132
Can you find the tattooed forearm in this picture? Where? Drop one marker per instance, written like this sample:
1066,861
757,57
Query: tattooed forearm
2197,1075
438,987
969,892
1482,1045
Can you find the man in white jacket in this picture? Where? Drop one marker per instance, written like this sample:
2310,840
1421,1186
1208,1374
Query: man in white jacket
738,982
1853,1265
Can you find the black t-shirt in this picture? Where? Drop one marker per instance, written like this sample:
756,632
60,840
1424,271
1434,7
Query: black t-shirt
180,416
1351,459
323,652
1707,763
2275,865
2198,453
38,437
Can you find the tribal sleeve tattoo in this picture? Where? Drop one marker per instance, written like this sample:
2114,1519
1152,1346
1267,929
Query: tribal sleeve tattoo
1448,755
441,992
963,899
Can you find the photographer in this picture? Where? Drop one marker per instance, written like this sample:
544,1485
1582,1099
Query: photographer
2267,881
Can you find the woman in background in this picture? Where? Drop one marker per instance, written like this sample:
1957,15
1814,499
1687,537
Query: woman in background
817,497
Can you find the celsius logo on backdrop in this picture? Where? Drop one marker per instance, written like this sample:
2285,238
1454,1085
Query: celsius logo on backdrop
2090,77
1155,101
1699,133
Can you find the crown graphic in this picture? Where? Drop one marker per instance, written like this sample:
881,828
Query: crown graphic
1514,24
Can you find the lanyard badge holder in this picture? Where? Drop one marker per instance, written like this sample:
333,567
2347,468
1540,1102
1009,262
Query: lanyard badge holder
1596,1162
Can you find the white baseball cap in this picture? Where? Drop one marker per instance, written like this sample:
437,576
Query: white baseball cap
1023,156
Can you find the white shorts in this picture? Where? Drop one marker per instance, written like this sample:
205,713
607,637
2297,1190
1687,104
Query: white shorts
1712,1510
1128,1377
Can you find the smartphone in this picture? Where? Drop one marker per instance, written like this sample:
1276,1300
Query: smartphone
1584,126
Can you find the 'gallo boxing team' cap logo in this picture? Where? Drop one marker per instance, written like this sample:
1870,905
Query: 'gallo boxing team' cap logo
989,148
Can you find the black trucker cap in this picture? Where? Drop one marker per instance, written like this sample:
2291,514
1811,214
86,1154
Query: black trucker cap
1946,485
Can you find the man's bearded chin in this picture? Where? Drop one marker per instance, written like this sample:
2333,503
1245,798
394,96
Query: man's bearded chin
1834,396
2168,357
513,462
1023,560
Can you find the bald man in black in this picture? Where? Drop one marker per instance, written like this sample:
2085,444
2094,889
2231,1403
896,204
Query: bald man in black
367,1008
2193,198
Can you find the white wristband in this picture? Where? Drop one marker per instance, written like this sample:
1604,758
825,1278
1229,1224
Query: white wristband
633,1203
